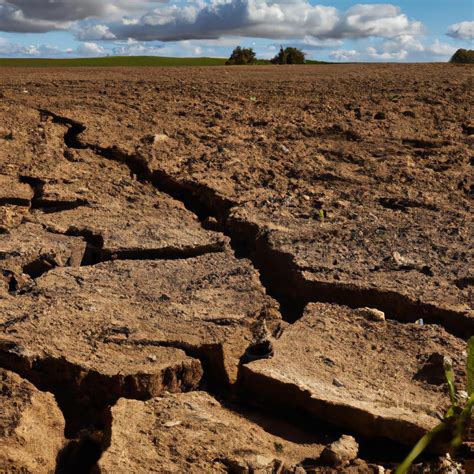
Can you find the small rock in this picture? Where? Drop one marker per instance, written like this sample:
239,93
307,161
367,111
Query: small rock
372,314
337,383
159,138
218,116
462,397
284,149
152,357
448,466
380,116
341,452
403,262
262,461
409,113
170,424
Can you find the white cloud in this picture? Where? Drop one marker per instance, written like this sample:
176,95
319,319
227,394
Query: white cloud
10,49
90,49
380,20
283,19
410,48
439,49
94,33
344,55
386,55
462,31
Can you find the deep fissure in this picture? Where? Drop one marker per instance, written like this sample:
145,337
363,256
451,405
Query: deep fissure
278,273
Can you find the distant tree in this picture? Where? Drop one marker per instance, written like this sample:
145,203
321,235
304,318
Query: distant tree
463,56
289,56
294,56
280,58
241,56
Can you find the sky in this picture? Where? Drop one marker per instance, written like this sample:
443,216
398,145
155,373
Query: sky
334,30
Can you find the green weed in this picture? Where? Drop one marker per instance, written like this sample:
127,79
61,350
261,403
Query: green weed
457,416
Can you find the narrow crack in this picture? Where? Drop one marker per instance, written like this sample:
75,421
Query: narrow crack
46,205
85,397
278,271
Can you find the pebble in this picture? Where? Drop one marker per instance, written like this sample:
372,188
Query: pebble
284,149
170,424
341,452
380,116
159,138
372,314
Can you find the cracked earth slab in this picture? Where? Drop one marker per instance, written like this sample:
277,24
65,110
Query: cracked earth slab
31,427
29,251
129,325
80,193
375,378
15,201
194,433
407,269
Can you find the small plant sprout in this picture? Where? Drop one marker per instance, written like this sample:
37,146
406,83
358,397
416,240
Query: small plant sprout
457,416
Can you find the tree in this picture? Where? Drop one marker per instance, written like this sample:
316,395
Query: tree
463,56
280,58
289,56
241,56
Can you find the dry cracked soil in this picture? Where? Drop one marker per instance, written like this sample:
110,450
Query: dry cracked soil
242,270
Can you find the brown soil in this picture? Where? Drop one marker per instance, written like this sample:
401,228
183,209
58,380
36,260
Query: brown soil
184,255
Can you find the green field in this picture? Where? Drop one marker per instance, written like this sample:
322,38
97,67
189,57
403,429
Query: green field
122,61
112,61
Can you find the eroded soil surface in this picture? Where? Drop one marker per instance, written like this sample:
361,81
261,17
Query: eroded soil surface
247,270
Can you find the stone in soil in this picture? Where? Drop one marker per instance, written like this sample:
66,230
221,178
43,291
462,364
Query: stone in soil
31,427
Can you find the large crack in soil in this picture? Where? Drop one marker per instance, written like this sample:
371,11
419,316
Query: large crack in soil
85,397
87,412
278,271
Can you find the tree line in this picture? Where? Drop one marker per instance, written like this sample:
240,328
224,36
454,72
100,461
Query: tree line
287,55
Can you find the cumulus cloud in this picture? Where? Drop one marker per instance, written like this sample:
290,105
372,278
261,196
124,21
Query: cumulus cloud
15,50
283,19
462,31
38,16
90,49
10,49
410,48
382,20
148,20
344,55
94,33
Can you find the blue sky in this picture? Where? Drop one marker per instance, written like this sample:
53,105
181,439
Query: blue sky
337,30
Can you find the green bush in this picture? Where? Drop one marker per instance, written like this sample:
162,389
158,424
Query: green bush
241,56
289,56
463,56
